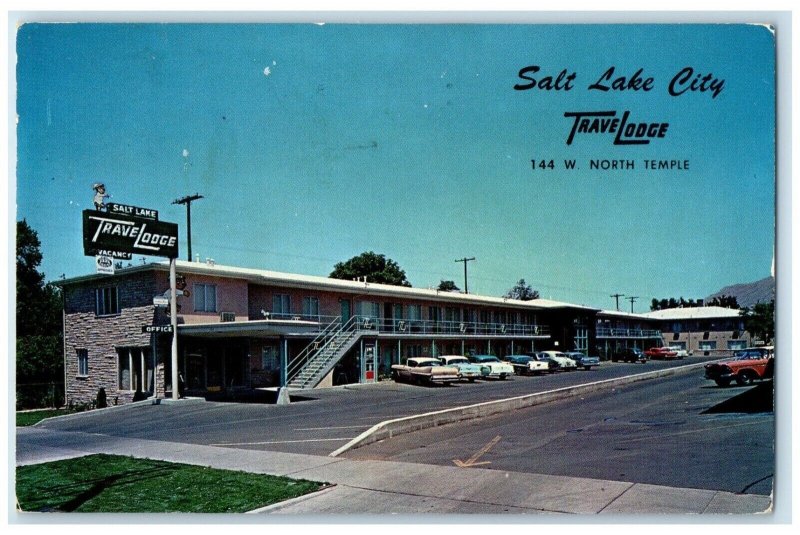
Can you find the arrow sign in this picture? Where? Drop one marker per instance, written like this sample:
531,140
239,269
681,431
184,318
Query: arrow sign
472,461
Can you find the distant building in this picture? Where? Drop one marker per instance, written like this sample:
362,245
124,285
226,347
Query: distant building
616,330
702,330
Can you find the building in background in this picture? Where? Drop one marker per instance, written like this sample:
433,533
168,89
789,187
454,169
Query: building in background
702,330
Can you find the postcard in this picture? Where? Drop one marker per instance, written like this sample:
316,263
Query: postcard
321,269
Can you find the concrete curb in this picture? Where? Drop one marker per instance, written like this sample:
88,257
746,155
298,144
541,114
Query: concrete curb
291,501
149,401
408,424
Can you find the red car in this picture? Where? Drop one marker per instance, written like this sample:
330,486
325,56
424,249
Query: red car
746,366
661,353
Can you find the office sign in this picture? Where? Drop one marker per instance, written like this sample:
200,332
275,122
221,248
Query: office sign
126,234
159,329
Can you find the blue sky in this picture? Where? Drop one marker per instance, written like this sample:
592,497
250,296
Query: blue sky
314,143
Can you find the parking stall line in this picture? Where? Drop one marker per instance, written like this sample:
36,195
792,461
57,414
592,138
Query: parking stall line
281,442
326,428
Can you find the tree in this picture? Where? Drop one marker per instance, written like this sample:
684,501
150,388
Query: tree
522,291
375,267
760,321
448,286
39,346
727,301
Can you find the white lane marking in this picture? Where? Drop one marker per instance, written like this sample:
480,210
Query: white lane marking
281,441
325,428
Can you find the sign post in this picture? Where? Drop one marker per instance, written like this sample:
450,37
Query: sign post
173,318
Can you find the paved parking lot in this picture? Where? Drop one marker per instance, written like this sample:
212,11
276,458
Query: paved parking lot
326,421
654,432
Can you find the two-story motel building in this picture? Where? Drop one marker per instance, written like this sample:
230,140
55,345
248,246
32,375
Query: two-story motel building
245,328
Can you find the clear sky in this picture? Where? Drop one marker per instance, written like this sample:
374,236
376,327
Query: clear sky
314,143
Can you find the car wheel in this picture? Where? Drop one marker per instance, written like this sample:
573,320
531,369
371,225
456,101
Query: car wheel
744,378
502,377
587,368
722,382
471,379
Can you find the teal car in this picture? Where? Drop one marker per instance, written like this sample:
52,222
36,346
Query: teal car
466,369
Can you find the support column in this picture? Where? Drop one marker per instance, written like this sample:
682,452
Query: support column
284,352
463,348
398,352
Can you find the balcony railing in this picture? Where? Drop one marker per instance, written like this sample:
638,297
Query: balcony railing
612,332
414,326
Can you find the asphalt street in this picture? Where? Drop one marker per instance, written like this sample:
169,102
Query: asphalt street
328,419
651,432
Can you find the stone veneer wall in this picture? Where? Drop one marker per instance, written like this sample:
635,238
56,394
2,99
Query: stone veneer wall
102,335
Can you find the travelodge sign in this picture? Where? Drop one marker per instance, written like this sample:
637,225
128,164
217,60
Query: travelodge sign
123,233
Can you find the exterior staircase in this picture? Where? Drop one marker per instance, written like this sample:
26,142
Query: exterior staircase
308,368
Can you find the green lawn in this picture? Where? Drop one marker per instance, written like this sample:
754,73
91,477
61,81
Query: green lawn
116,484
32,417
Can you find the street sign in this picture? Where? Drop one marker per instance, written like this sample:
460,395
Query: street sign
159,329
126,234
133,211
104,264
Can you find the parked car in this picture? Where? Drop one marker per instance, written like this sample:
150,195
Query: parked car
552,364
582,360
497,369
424,370
661,353
527,365
746,366
564,362
680,352
466,369
629,354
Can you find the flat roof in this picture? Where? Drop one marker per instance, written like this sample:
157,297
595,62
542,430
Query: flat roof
691,313
261,276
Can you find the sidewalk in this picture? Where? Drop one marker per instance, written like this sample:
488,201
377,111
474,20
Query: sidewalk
387,487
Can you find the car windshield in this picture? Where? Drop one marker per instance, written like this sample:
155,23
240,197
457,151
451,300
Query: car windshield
425,363
460,360
483,358
748,354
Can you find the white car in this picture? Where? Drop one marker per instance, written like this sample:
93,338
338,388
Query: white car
681,353
564,362
497,368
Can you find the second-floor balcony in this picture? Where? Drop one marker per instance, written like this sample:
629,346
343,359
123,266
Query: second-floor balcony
424,327
615,332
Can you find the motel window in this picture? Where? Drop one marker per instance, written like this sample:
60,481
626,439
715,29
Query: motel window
737,344
708,344
369,309
414,312
310,307
281,304
205,298
134,368
106,301
270,358
83,362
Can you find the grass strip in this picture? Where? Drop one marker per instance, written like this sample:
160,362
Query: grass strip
117,484
27,418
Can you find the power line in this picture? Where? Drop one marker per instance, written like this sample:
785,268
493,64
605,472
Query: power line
632,299
617,296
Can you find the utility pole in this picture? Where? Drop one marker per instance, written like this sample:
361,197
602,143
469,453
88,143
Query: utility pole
188,202
617,296
632,299
465,260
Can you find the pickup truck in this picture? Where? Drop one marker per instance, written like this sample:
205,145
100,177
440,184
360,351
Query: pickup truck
582,360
